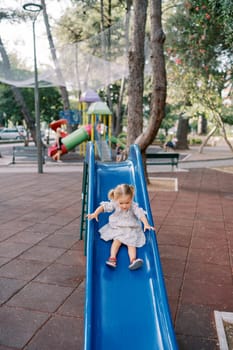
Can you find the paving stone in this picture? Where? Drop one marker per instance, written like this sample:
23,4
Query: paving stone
72,257
213,255
178,239
42,253
60,333
173,252
74,305
175,229
79,245
12,249
196,343
173,287
196,320
22,269
205,293
9,287
28,237
42,227
212,273
60,241
40,297
209,242
63,275
194,230
18,325
173,267
3,261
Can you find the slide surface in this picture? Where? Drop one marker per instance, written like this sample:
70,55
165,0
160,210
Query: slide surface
126,310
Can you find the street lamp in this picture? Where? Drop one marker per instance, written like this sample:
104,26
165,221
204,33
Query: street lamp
35,9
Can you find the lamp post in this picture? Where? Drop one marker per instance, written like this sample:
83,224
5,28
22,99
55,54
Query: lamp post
35,9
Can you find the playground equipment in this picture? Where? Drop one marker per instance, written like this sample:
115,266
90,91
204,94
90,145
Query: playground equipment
89,96
118,141
69,141
123,309
94,113
101,121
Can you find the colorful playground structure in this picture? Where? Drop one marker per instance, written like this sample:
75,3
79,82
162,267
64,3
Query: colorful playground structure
69,141
95,125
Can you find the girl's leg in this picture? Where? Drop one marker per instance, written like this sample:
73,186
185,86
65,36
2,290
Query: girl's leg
115,248
132,253
112,261
134,262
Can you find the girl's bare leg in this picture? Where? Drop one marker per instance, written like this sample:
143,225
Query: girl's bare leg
59,155
115,248
132,253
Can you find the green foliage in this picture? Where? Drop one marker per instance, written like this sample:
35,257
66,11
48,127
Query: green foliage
162,138
84,21
50,104
170,118
199,57
194,141
227,116
114,93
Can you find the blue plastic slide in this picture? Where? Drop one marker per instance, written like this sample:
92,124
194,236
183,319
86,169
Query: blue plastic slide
124,310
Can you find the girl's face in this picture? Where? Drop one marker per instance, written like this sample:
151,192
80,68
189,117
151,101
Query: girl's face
124,202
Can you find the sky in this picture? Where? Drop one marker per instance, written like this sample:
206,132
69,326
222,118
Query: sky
19,37
80,69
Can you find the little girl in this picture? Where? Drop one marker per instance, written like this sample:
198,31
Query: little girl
57,155
124,226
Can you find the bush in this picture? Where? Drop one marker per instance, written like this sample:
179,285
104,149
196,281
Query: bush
195,141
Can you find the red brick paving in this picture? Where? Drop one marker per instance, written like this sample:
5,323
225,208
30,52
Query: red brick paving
41,257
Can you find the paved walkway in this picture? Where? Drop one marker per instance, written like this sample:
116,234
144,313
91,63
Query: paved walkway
42,266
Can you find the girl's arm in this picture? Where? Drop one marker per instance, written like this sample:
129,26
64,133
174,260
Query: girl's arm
146,224
96,213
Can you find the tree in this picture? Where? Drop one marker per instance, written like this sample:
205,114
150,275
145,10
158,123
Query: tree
18,95
64,93
136,73
94,24
182,132
199,54
136,76
50,104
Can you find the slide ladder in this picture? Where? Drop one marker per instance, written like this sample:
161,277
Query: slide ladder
83,220
104,151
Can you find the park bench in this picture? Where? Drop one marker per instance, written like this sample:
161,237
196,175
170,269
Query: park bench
163,158
26,152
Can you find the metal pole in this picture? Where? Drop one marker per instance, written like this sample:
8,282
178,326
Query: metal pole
37,107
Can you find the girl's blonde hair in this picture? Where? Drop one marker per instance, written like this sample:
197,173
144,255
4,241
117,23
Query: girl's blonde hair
121,190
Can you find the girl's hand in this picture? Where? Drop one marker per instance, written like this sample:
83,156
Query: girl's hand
148,227
92,216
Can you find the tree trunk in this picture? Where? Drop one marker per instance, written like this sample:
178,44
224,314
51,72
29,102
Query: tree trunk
136,73
202,125
182,133
30,121
159,80
224,132
118,126
119,111
211,133
62,87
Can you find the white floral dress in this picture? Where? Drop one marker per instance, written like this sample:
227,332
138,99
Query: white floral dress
124,226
